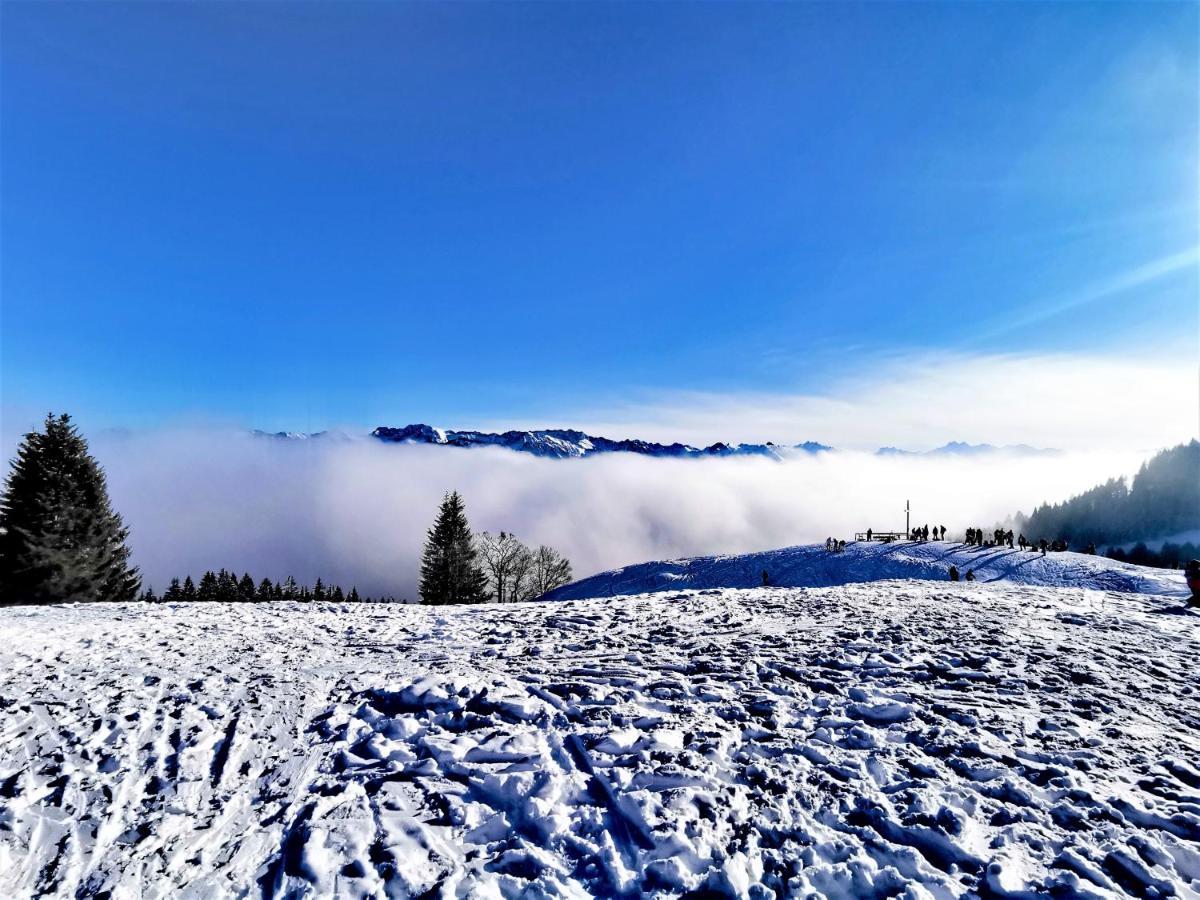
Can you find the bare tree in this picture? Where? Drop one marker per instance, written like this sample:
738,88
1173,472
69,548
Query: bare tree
520,577
550,570
505,560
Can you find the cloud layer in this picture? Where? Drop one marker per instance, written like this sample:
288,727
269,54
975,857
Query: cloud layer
356,512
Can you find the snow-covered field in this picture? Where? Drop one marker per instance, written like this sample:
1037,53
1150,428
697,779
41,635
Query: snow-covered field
865,740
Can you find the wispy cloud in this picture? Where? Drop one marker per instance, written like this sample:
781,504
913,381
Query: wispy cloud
1136,277
924,400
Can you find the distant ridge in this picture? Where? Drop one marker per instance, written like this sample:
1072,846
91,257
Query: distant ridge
564,443
960,448
568,443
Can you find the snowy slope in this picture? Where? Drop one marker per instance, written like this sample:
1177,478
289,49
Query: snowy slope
813,566
901,738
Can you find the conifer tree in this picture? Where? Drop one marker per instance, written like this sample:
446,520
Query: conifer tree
266,591
189,589
207,592
60,539
450,571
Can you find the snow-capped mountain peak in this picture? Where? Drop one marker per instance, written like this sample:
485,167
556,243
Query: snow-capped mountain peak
561,443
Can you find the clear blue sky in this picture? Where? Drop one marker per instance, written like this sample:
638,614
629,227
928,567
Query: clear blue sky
298,215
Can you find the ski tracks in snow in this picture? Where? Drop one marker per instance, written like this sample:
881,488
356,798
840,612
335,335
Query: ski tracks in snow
868,740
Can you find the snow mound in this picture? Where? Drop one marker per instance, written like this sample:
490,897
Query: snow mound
814,566
893,739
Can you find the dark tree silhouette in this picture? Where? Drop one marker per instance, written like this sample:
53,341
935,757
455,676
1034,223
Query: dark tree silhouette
60,539
450,571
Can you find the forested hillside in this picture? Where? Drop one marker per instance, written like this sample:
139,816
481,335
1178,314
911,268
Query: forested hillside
1164,499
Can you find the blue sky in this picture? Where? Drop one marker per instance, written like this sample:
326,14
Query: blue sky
304,215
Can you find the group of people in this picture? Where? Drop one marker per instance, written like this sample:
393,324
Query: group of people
1000,538
975,537
922,533
970,576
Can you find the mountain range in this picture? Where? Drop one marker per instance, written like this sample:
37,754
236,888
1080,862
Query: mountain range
566,443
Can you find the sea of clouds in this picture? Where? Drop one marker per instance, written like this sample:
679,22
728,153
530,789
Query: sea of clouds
356,511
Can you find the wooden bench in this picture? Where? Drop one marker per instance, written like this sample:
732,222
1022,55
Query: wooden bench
886,536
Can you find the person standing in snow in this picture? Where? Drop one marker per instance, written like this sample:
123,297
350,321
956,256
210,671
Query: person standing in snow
868,534
1021,542
1009,537
954,573
970,575
1191,572
942,529
1043,544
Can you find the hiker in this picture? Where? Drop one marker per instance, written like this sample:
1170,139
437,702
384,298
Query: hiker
1009,538
841,545
868,534
970,536
954,573
828,544
970,575
1191,572
942,529
766,578
925,533
1043,544
1021,542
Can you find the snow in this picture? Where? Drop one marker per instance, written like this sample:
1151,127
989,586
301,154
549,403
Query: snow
814,566
902,738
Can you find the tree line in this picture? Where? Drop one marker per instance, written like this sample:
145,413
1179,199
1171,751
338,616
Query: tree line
1164,499
61,541
225,587
1169,556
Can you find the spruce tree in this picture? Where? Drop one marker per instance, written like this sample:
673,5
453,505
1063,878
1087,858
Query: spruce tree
450,571
60,539
207,592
